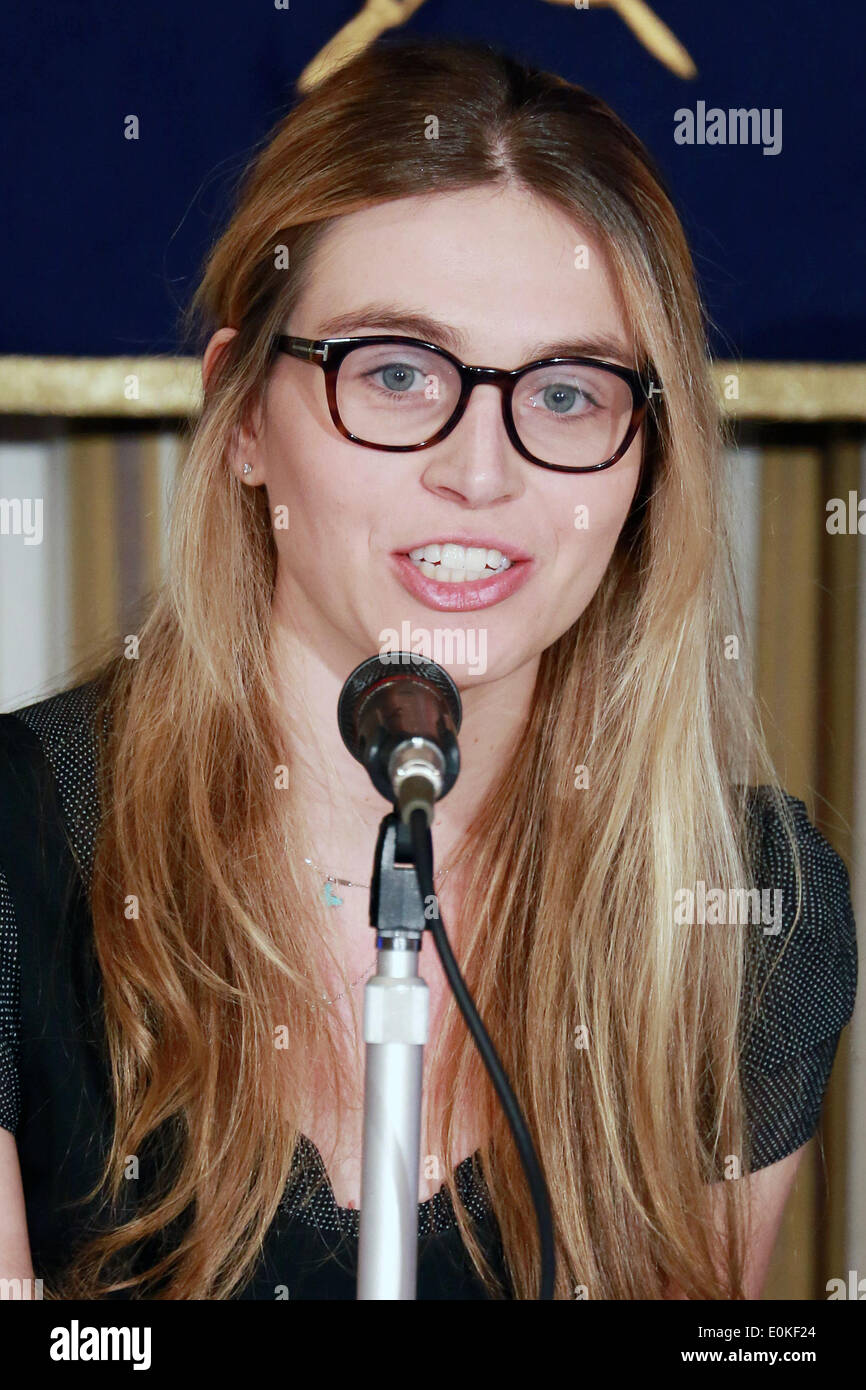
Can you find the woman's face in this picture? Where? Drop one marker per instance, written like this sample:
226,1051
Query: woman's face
499,269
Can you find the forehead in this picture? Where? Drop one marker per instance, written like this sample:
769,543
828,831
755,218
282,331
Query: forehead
505,268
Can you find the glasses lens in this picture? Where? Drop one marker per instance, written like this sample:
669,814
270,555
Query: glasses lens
391,394
566,414
572,416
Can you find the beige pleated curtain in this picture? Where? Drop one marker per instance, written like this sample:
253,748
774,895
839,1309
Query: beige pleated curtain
806,672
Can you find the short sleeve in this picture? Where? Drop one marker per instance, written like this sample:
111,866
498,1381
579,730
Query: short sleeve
49,743
800,986
10,1097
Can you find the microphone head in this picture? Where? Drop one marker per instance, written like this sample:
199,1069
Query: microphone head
393,699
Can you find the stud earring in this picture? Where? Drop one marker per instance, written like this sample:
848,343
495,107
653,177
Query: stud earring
248,468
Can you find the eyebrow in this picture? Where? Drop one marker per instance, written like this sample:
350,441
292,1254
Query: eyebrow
418,325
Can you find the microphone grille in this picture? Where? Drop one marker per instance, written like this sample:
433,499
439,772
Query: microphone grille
384,667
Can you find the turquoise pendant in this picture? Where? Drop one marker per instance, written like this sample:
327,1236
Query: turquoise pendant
329,897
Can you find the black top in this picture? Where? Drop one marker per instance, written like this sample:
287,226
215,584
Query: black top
47,761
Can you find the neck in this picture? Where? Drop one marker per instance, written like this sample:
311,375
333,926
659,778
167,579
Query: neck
341,807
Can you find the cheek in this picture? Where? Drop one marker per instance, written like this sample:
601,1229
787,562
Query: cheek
591,518
328,493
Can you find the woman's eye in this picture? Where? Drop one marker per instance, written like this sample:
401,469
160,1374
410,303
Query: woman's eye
560,398
396,376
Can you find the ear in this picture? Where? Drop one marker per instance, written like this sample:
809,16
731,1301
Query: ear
245,442
212,352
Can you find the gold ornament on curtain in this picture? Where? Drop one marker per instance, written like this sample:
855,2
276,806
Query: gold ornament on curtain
379,15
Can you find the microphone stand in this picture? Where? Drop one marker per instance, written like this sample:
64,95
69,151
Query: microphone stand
396,1027
402,726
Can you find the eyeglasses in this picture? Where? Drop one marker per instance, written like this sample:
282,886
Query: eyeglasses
570,414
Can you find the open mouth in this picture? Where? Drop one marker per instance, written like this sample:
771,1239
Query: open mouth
461,576
457,564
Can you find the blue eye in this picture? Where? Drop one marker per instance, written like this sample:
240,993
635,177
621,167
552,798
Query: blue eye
559,399
396,376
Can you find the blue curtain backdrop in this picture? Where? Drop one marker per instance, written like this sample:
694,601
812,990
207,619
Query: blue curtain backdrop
101,237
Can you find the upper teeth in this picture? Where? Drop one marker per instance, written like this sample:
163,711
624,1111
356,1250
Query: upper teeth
461,562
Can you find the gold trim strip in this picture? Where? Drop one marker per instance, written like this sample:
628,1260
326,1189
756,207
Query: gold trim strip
145,387
123,386
797,391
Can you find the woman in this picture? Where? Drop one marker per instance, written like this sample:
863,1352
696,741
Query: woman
478,212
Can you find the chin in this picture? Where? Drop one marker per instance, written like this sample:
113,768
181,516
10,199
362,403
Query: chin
461,649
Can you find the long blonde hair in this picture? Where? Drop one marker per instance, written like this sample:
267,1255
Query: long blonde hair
571,930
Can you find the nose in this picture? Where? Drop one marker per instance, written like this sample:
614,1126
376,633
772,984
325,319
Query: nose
476,464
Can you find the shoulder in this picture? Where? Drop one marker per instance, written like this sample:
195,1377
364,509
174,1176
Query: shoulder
10,1096
800,976
801,967
774,818
48,759
60,722
48,820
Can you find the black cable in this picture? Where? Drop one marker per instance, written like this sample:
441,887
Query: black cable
422,844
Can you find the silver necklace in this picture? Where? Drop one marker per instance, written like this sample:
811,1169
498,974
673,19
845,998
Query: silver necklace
327,879
333,901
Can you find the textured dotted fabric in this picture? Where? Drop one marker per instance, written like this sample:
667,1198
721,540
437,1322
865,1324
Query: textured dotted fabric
10,1090
786,1060
809,985
309,1198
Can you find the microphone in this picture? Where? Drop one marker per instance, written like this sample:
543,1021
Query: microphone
399,716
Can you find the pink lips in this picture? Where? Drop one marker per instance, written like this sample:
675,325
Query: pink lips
462,597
